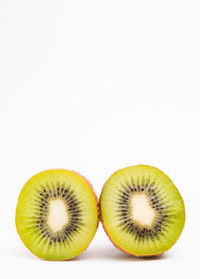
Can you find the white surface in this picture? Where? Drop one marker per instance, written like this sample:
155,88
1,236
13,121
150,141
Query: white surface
95,86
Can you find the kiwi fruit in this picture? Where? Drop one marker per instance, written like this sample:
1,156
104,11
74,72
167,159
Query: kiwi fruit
57,214
142,211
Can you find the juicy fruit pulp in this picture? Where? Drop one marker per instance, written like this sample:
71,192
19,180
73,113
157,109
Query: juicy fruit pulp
56,215
142,211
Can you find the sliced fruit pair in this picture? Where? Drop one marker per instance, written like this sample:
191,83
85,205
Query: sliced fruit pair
142,211
57,215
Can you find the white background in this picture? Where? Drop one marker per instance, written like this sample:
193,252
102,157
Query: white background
95,86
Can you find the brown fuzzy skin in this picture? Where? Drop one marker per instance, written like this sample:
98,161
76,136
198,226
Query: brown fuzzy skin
115,244
97,206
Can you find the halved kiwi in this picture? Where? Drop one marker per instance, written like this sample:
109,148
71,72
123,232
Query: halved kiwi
142,211
57,215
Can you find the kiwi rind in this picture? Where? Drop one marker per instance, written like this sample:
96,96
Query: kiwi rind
89,185
101,218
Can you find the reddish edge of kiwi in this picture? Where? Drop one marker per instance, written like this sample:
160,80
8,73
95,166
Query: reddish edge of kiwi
93,192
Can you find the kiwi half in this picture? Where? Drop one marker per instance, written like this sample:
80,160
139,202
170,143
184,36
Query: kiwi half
57,215
142,211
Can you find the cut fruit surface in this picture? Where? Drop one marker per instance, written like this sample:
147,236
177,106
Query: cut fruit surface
56,214
142,211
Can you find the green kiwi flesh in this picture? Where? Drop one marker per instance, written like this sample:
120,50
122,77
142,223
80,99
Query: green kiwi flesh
56,214
142,211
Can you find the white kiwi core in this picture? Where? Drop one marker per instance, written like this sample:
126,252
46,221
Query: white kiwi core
57,217
142,212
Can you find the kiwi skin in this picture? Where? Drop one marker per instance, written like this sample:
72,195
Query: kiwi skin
115,244
97,207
